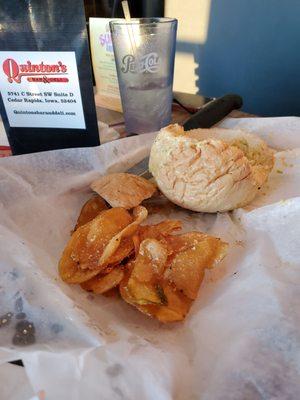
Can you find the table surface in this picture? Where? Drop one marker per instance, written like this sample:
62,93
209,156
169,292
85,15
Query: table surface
111,125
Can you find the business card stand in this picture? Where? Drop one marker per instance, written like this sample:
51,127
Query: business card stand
44,49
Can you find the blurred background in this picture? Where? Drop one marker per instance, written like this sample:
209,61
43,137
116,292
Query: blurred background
247,47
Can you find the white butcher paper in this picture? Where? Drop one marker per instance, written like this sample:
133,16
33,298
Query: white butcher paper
241,339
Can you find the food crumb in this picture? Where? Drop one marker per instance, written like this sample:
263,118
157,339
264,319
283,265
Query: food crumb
284,163
279,171
5,319
240,243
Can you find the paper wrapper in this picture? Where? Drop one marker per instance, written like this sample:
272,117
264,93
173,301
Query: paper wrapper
241,339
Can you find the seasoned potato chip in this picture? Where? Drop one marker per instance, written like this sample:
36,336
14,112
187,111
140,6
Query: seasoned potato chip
150,262
157,272
174,307
193,252
90,210
102,283
123,288
125,249
123,190
159,230
145,293
114,292
80,258
164,279
144,282
177,307
136,241
140,214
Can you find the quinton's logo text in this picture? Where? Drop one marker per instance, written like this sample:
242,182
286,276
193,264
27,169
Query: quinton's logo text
42,72
147,63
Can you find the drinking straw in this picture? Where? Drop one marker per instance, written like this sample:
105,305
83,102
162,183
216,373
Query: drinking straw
126,11
127,16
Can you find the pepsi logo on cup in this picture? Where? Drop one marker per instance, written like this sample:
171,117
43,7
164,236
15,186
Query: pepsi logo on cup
148,63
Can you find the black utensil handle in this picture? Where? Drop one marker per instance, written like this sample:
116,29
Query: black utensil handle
213,112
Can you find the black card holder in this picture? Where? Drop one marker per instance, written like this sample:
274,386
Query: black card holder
52,26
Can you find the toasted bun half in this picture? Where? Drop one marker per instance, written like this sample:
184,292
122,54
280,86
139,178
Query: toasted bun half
209,170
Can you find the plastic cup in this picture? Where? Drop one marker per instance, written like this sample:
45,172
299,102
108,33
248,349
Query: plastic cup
144,52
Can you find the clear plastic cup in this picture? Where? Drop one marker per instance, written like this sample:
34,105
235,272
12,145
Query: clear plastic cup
144,53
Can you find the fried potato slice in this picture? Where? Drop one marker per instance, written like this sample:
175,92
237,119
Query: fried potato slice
125,293
193,252
90,210
145,293
136,241
123,190
159,230
80,258
144,282
114,292
165,277
125,249
175,307
140,214
150,262
123,284
104,282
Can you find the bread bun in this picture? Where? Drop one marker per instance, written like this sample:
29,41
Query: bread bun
209,170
